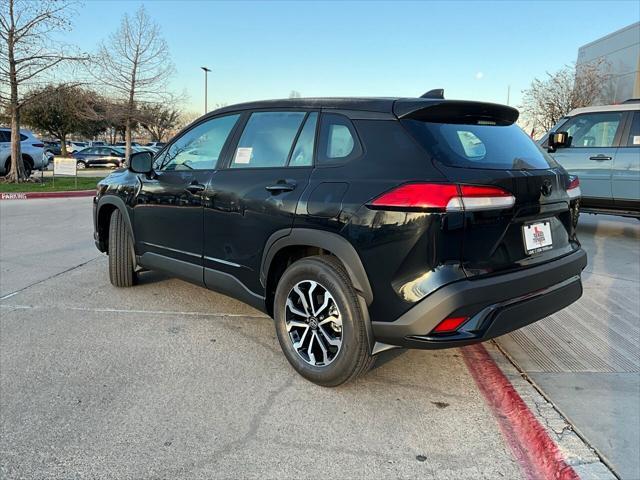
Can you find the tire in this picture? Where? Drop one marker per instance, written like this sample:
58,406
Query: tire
80,165
28,168
335,364
122,271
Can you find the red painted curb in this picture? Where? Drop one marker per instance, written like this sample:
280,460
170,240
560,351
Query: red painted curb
538,455
30,195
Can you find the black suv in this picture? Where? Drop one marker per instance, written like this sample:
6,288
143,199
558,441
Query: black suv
358,224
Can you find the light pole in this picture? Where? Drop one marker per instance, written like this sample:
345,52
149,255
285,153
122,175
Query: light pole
206,70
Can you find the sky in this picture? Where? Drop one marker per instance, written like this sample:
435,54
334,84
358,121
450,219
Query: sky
261,50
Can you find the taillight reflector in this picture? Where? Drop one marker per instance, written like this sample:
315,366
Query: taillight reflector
445,197
573,190
449,325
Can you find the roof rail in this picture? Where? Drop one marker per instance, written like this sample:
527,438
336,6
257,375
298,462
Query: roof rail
435,93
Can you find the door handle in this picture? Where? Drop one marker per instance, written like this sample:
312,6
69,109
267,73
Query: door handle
281,186
600,157
195,188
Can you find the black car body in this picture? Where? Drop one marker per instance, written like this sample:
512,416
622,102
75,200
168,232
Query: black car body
99,157
53,147
422,202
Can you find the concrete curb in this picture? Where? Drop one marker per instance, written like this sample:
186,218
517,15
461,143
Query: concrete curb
575,451
34,195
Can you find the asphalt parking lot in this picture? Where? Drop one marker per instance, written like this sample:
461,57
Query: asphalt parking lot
169,380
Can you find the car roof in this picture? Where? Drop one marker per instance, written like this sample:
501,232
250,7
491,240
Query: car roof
623,107
374,104
399,107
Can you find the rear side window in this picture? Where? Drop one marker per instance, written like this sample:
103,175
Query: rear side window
479,146
267,139
5,136
338,140
302,155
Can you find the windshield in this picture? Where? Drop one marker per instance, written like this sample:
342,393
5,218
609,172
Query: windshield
480,146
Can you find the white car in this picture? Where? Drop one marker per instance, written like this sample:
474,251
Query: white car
31,147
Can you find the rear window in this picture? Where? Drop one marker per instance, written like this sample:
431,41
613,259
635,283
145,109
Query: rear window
480,146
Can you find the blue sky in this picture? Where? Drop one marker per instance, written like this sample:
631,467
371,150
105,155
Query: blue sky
260,50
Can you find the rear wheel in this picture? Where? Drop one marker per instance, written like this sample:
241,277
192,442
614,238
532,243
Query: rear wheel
122,271
80,165
319,323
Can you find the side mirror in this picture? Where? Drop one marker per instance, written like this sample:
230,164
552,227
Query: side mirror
141,162
558,140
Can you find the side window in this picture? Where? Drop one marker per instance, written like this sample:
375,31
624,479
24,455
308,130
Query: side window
5,136
338,139
634,133
266,140
103,151
302,155
200,147
89,151
593,129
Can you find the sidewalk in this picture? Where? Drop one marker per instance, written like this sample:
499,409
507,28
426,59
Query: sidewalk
586,358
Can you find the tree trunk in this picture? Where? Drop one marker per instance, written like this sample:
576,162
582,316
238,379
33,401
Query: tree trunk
63,145
127,139
16,172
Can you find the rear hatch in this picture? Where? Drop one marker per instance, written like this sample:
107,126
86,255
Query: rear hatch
478,144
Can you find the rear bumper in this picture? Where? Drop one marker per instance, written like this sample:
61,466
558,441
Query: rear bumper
495,305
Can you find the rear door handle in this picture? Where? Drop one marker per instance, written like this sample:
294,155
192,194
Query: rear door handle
600,158
195,188
281,186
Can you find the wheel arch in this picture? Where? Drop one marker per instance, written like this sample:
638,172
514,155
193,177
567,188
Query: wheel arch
299,239
106,206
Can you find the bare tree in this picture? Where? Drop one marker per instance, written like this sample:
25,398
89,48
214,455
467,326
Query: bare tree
548,100
28,53
135,65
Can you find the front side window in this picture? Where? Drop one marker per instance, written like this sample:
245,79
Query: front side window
338,140
593,129
267,139
200,147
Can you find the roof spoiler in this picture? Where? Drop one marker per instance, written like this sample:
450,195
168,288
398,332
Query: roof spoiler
455,111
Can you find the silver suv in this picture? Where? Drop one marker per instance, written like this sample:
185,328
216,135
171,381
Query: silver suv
601,145
32,151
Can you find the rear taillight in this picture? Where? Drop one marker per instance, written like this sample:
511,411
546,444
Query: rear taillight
444,197
39,145
573,190
449,325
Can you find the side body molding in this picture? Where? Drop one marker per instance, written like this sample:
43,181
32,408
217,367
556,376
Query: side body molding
332,242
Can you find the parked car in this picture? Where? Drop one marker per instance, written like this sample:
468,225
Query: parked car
52,147
100,157
156,145
359,225
601,145
31,147
73,147
96,143
124,144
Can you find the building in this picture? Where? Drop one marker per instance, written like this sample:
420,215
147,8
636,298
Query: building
619,54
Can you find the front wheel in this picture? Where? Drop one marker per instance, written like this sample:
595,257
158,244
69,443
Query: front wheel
319,323
122,271
80,165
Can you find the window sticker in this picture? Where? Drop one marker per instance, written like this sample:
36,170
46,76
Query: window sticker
243,155
636,139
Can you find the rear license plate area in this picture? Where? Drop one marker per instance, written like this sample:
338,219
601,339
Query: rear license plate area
537,237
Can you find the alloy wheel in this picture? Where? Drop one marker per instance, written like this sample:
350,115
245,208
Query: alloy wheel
314,323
